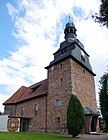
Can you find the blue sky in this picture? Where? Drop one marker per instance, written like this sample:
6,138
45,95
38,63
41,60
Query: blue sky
30,32
6,27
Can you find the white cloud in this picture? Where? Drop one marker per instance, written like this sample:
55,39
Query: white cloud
13,11
2,99
95,40
38,28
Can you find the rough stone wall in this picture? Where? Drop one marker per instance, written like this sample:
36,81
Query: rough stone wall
83,85
37,120
10,110
65,78
59,87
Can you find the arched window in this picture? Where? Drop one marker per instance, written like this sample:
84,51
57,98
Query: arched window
58,120
22,112
36,109
58,103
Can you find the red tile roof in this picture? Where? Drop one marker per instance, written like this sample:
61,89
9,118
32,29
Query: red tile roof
27,93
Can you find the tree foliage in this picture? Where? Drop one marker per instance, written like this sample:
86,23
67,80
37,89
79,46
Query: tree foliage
102,17
75,116
103,96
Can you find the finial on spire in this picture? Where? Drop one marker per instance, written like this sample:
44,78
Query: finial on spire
70,30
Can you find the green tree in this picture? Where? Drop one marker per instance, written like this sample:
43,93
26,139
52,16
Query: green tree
75,116
103,96
102,17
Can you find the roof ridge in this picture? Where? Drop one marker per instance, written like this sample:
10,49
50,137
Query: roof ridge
21,88
25,93
38,83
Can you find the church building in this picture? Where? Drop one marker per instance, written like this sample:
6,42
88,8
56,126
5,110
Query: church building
42,107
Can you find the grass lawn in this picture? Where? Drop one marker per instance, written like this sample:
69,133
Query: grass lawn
31,136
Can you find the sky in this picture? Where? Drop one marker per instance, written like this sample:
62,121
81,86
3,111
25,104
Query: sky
32,30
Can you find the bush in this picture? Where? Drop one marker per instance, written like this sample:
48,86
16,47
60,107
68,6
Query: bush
75,116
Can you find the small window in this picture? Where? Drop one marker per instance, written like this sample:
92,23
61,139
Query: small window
61,80
61,66
84,71
58,103
82,56
82,53
58,119
36,109
22,112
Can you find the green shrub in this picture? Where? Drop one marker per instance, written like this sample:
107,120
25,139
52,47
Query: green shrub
75,116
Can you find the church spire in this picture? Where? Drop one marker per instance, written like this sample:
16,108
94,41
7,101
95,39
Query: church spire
70,30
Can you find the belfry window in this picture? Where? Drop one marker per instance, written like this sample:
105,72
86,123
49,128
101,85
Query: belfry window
71,30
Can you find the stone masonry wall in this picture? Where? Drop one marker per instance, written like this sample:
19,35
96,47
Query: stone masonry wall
83,85
10,110
65,78
37,120
59,87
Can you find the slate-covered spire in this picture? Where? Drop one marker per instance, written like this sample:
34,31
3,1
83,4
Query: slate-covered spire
70,30
71,47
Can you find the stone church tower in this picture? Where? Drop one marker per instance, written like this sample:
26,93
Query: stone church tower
69,72
42,107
